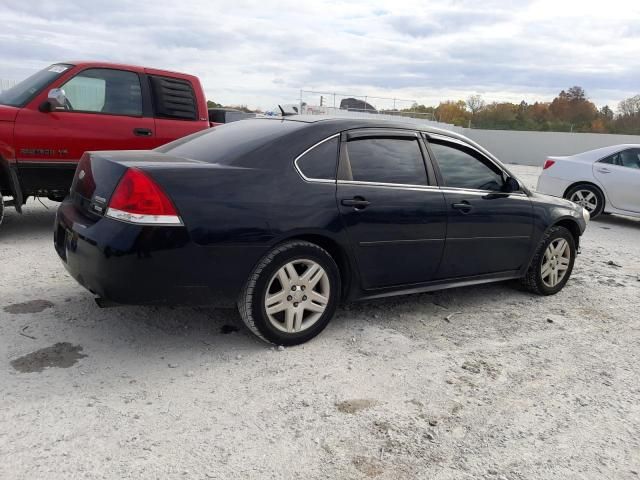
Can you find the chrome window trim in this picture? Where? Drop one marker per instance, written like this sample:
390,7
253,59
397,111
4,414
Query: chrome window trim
299,170
387,185
429,188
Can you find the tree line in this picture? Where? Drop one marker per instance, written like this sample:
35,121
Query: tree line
570,111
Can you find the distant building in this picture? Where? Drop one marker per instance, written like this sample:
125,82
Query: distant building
356,105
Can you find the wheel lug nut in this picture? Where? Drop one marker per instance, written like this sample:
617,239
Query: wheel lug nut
289,298
302,287
295,304
293,288
304,297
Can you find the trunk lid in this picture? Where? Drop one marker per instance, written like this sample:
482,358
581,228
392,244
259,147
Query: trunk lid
95,180
98,175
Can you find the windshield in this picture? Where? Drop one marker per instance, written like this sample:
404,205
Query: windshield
23,92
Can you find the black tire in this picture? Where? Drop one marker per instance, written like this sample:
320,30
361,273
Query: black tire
599,207
251,303
533,281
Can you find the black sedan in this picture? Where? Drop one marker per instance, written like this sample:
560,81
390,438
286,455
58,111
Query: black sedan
288,217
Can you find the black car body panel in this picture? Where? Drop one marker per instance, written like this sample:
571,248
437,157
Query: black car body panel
239,192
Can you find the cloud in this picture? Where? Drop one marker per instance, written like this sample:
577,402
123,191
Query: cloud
263,53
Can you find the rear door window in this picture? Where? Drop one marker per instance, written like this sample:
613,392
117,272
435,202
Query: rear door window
627,158
173,98
386,160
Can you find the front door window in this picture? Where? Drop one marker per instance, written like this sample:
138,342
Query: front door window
103,90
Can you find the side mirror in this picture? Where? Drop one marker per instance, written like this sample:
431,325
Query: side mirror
57,99
511,185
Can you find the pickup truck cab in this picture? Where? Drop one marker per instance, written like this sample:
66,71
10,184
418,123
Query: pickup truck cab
50,119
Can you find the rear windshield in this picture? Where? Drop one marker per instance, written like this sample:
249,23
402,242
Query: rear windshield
227,144
20,94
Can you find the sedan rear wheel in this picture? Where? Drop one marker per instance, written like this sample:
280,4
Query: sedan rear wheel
297,296
588,197
292,293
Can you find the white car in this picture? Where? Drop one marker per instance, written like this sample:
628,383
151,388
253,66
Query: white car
602,180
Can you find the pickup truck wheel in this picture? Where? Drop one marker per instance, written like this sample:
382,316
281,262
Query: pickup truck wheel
552,264
292,294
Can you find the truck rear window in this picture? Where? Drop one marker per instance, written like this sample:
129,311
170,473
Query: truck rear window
173,98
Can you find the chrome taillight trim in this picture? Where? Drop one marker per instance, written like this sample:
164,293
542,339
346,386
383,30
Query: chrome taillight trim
138,219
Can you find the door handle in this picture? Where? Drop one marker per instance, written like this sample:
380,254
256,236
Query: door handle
142,132
603,170
464,206
358,203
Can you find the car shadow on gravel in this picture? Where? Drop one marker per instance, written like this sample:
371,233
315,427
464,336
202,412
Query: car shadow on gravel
34,221
615,221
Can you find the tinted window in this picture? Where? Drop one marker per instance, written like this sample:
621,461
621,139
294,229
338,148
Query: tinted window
230,143
320,162
387,160
627,158
462,168
102,90
174,98
20,94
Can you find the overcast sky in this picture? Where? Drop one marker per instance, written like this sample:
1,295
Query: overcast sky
262,53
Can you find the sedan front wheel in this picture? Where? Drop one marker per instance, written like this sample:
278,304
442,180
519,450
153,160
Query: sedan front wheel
292,293
552,264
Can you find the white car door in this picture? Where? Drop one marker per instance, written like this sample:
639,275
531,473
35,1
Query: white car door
620,175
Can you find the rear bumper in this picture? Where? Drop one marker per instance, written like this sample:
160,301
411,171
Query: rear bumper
133,264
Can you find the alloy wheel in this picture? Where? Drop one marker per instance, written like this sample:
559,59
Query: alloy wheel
586,199
555,262
297,296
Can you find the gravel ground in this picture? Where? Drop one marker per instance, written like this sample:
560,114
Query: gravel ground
484,382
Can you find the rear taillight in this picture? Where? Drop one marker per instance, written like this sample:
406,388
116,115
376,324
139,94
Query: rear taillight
83,181
548,163
138,199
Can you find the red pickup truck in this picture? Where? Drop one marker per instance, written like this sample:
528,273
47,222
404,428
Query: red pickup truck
50,119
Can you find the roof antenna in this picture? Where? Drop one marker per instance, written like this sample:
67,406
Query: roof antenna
285,113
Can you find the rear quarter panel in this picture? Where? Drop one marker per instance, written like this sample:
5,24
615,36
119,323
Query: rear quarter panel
239,213
566,171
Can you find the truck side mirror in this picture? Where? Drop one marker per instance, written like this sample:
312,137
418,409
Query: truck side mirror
57,99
